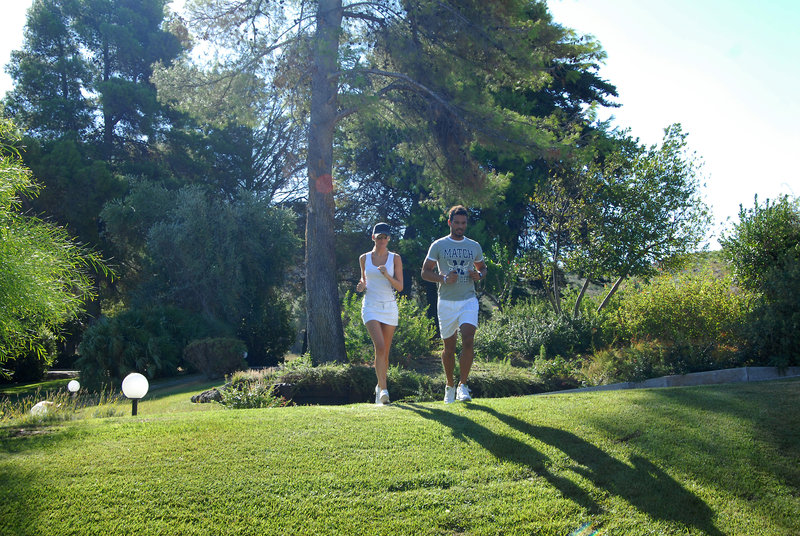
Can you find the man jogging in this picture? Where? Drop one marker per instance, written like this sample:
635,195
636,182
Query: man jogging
455,263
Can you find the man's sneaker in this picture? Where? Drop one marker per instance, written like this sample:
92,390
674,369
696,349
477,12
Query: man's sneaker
463,393
449,394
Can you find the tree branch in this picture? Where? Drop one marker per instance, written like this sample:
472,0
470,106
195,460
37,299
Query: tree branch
364,16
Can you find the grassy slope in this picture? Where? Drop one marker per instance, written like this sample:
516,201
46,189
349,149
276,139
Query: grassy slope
706,460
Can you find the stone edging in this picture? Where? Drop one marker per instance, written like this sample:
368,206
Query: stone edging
736,375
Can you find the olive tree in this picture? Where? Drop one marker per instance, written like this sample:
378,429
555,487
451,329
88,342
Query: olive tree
622,215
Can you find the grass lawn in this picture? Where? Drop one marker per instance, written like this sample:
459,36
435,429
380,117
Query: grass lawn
18,390
703,460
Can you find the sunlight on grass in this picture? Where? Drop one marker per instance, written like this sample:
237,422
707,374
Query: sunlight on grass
707,460
16,402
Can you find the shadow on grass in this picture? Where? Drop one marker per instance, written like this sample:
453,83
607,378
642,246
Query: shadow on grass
20,490
17,390
644,486
17,515
768,408
16,438
190,386
506,448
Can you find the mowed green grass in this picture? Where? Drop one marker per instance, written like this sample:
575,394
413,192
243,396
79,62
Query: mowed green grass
705,460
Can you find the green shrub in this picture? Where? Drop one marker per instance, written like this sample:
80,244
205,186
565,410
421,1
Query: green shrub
329,383
148,341
693,307
246,395
332,383
413,337
491,342
651,359
522,329
495,380
555,374
305,383
764,252
357,344
413,386
637,362
773,328
216,357
761,240
683,358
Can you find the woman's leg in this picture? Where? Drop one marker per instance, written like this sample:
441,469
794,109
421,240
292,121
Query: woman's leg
388,333
375,330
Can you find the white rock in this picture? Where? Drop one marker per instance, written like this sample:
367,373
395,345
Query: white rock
41,408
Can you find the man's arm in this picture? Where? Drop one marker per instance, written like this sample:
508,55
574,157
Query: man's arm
479,272
429,275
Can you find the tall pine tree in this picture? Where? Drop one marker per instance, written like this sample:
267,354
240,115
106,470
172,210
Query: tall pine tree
443,59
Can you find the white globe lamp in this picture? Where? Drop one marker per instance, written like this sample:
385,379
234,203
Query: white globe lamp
135,386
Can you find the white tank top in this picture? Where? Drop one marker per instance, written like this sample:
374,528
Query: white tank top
378,287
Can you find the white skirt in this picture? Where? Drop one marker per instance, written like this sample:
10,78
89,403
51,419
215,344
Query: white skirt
384,312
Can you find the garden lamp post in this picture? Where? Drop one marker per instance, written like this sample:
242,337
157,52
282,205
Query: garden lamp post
73,387
134,386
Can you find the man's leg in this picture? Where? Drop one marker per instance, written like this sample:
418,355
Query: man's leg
467,351
449,358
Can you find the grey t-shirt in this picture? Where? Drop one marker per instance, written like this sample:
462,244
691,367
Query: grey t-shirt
458,255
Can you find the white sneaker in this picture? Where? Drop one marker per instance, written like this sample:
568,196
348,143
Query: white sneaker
463,393
381,396
449,394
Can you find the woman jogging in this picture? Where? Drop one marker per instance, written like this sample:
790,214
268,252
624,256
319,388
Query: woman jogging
381,275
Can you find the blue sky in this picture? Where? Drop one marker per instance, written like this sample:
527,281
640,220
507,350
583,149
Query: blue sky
726,70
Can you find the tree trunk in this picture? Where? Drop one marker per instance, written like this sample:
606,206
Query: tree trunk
325,333
612,291
556,293
577,309
108,118
554,269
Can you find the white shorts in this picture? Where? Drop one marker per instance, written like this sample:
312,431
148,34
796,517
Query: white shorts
454,313
384,312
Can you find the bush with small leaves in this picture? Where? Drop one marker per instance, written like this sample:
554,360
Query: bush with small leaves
764,251
650,359
614,365
694,307
246,395
149,341
522,329
773,330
